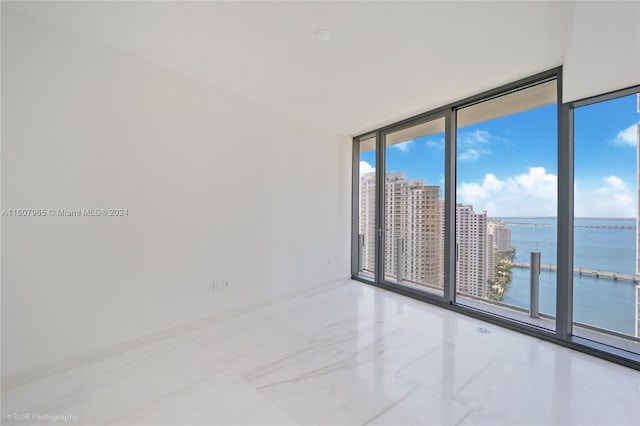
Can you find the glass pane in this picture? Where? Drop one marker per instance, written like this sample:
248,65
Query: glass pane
414,206
606,304
367,209
506,204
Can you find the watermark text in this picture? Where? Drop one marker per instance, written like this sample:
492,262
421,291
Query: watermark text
58,212
39,417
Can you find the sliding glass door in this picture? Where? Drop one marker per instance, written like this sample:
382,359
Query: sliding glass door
413,210
506,227
606,280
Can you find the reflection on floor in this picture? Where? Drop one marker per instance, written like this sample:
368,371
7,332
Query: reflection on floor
548,322
343,354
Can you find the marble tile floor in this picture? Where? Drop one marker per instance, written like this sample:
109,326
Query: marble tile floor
343,354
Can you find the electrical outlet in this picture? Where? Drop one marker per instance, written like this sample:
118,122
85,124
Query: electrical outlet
218,285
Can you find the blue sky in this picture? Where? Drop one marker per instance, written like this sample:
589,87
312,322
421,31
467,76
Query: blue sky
508,166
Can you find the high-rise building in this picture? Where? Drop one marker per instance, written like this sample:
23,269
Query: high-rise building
501,236
414,231
414,236
414,217
492,257
499,255
472,267
367,229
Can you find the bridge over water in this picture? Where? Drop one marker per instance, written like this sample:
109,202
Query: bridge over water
589,272
545,225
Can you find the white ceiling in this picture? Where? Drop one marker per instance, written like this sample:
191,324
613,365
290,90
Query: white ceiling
385,60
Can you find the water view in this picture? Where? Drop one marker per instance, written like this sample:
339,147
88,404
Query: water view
602,244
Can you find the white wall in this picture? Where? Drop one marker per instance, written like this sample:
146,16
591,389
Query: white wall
603,52
216,187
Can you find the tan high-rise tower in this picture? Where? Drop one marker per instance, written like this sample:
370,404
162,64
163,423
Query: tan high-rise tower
472,267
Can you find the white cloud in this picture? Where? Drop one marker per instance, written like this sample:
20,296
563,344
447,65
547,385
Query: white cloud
614,199
612,184
469,155
528,194
435,143
492,183
403,146
366,168
539,183
474,144
628,136
475,138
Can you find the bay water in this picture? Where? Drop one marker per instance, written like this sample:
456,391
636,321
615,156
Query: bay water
601,244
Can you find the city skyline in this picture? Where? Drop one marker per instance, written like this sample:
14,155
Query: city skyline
414,237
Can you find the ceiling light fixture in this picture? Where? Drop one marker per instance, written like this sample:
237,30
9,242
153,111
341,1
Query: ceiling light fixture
323,35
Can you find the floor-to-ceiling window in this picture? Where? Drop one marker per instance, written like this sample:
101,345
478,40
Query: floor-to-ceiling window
506,204
473,205
364,253
606,280
414,205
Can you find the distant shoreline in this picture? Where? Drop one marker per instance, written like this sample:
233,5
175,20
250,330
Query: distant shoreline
555,217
